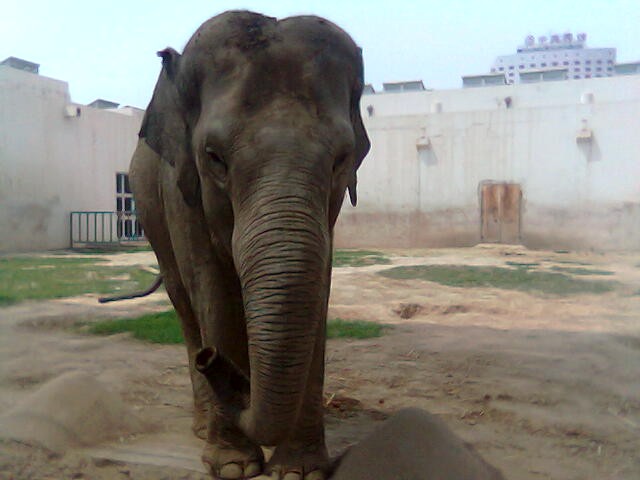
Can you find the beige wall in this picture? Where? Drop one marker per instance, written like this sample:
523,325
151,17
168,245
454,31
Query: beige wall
575,194
51,164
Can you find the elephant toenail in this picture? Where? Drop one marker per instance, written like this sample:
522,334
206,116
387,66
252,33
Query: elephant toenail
252,470
231,471
315,475
292,476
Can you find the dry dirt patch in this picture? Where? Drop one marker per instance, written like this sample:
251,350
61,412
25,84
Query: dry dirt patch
544,387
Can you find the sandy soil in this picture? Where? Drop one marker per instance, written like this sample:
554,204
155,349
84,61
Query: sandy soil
544,387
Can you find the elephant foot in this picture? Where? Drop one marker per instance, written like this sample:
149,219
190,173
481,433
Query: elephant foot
288,463
231,463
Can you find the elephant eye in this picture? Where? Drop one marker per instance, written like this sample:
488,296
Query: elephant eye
217,162
339,162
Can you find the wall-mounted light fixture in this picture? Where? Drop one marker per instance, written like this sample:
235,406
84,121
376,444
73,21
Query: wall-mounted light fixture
585,134
72,111
423,142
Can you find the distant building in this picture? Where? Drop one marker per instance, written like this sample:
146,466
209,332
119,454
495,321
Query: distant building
552,164
58,157
557,52
103,104
632,68
412,86
20,64
483,80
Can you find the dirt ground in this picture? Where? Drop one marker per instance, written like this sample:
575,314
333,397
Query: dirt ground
544,387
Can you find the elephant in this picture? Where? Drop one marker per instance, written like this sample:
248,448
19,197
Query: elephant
249,144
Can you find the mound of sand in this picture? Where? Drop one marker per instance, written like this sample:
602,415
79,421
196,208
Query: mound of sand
72,410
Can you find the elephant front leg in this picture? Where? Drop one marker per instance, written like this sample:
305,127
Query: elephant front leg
303,455
228,453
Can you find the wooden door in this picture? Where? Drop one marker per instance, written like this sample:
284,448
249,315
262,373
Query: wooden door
500,212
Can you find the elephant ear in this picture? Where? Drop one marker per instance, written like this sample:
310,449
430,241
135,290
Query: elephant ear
165,129
362,140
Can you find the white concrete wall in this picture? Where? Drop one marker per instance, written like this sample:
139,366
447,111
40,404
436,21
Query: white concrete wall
576,195
50,164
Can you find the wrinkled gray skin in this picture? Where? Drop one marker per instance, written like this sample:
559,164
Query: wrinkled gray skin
250,141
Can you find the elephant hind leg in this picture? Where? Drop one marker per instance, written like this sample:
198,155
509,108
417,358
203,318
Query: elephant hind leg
202,394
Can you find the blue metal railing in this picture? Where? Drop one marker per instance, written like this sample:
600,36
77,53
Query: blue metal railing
101,228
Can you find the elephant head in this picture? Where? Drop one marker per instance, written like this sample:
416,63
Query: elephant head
260,120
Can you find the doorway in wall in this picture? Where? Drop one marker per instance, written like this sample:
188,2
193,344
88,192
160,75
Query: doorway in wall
500,212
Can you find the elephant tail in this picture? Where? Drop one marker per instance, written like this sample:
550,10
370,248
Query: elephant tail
142,293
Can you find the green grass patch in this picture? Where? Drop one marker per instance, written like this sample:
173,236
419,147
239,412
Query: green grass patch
109,249
165,328
568,262
522,264
359,329
359,258
161,327
36,278
581,271
507,278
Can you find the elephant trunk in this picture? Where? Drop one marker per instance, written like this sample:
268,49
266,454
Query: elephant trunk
282,252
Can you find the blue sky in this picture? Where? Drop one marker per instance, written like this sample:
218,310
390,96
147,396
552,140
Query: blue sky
107,49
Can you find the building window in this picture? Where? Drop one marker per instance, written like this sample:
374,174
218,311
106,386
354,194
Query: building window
588,69
511,67
128,225
576,76
565,63
521,66
532,65
577,62
598,69
587,62
501,69
555,64
576,69
598,62
587,75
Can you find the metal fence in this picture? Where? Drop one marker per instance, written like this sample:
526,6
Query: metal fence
103,228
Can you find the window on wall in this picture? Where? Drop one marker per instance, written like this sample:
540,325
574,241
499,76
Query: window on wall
124,196
128,225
